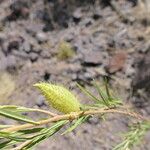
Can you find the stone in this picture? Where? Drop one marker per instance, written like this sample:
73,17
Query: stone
92,58
19,10
33,28
11,61
142,78
93,121
117,62
40,101
74,76
144,48
88,74
77,15
7,62
26,47
41,37
45,53
33,57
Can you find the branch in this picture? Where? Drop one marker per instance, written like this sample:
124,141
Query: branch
44,111
22,145
73,116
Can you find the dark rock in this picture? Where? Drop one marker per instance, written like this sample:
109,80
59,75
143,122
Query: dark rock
20,10
13,45
48,21
46,76
77,15
61,14
105,3
134,2
141,100
141,84
96,16
142,78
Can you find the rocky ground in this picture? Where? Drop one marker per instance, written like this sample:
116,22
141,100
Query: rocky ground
106,38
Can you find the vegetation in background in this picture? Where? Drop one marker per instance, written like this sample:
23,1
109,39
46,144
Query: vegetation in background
29,133
65,51
7,85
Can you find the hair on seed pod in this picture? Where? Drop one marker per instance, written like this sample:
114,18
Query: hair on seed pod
59,97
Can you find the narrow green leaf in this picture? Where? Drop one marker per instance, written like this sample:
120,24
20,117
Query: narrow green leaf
16,116
46,134
101,94
8,106
31,131
134,136
22,135
106,87
88,93
5,145
11,137
108,99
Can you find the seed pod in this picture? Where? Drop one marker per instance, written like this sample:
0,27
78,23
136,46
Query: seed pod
59,97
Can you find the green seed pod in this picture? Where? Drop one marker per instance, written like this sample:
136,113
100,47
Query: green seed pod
59,97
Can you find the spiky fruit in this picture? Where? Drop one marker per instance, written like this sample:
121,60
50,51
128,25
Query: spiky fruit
59,97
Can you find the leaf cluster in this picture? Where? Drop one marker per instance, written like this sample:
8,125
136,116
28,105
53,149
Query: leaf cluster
134,136
28,132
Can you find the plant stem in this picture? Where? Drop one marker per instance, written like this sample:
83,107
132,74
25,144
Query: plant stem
22,145
73,116
44,111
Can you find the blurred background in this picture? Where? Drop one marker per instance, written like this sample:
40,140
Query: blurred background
69,41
